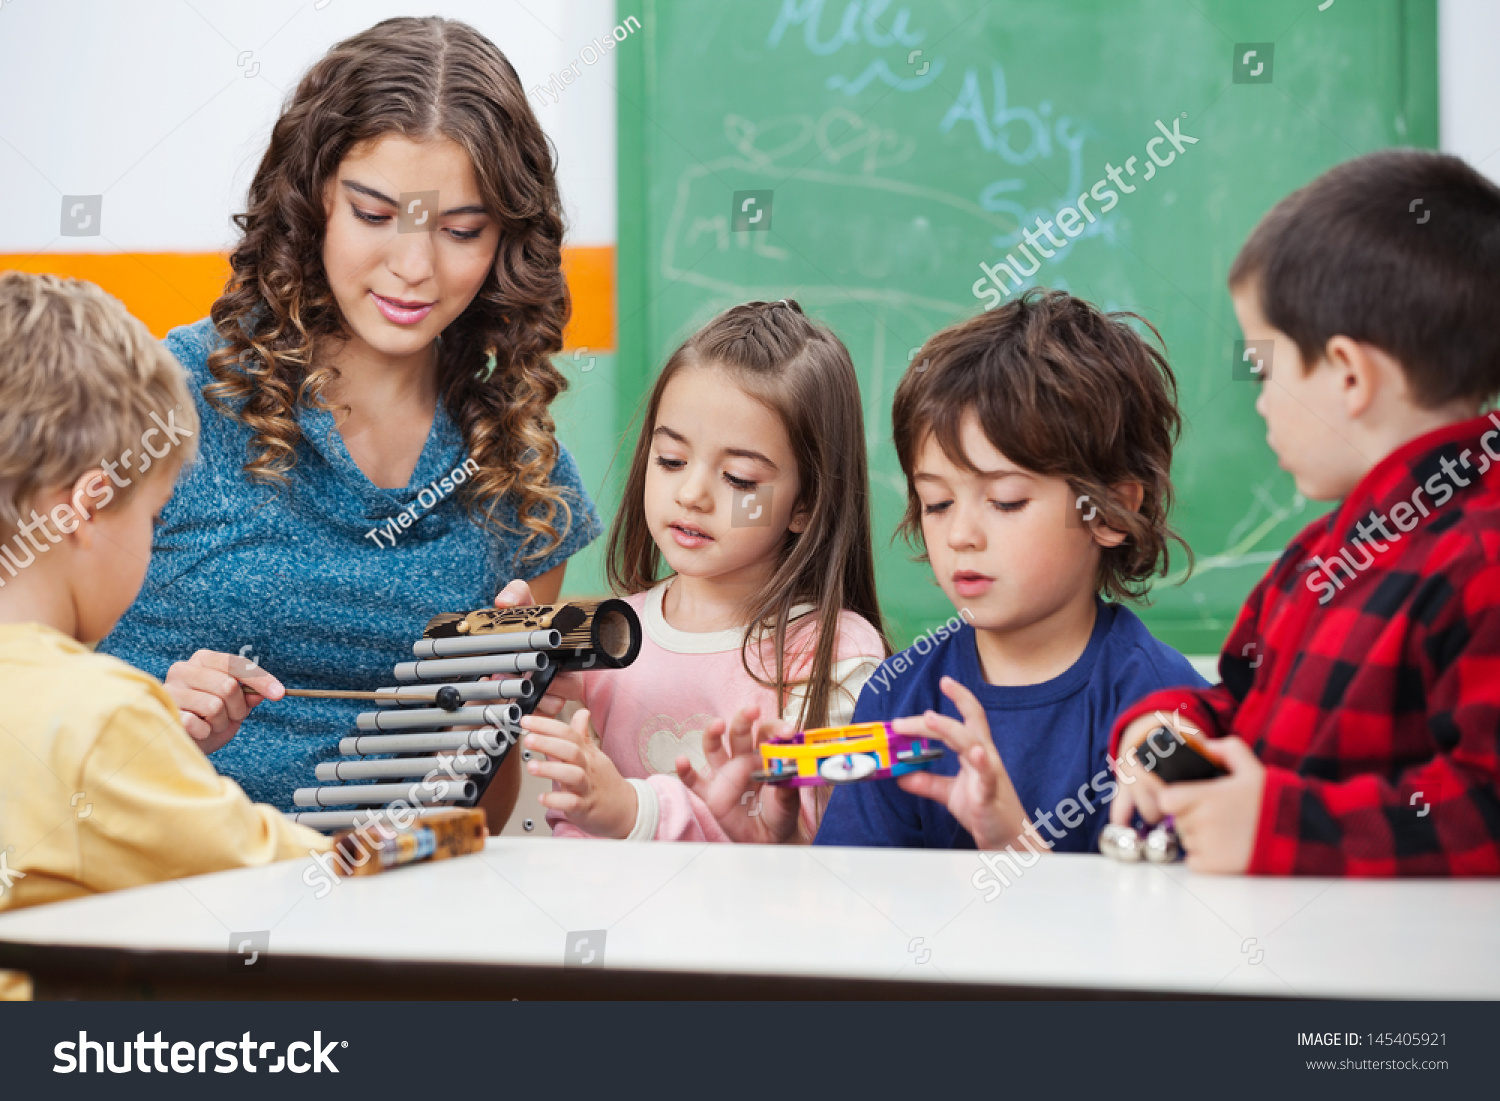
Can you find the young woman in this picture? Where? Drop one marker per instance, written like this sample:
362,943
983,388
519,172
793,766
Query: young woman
373,387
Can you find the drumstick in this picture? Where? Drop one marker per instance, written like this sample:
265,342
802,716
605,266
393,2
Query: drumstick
338,694
447,697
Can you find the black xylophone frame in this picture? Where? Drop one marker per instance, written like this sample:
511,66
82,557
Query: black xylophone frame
413,734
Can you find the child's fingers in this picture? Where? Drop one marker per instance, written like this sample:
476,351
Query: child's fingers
569,776
986,771
1147,793
949,731
558,749
768,731
213,710
742,726
928,785
563,801
208,690
968,705
246,672
580,727
552,728
549,706
1122,807
690,777
197,729
713,744
566,686
1185,798
1229,753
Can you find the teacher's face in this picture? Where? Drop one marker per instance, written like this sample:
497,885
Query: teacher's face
408,242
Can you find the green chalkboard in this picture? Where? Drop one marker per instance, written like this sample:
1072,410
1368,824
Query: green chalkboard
904,144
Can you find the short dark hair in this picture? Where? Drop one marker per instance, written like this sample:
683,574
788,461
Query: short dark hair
1399,249
1062,390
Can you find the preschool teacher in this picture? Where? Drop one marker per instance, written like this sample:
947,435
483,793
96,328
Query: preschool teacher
373,387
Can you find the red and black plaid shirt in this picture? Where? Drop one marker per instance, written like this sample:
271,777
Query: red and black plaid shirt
1368,680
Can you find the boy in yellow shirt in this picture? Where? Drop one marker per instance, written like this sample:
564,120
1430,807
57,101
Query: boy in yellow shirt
100,785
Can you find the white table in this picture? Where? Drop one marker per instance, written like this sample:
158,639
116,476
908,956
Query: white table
738,919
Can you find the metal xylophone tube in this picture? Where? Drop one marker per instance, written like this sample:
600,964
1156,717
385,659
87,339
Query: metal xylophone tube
423,793
406,768
353,819
481,666
508,714
477,691
488,740
501,643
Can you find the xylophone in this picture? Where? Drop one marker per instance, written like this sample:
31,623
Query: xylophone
439,736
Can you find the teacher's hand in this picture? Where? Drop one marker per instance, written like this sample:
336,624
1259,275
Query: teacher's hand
214,692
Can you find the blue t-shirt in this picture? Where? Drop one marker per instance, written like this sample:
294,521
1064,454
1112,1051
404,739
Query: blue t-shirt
292,579
1053,737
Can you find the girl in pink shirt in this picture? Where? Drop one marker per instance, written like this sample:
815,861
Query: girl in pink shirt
749,483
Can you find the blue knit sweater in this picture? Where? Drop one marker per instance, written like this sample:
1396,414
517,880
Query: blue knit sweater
293,579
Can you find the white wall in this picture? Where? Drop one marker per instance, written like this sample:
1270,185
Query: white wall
144,102
1469,81
151,104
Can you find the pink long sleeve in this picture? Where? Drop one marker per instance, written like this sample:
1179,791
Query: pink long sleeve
680,815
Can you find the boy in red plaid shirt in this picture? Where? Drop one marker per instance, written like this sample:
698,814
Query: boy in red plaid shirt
1359,712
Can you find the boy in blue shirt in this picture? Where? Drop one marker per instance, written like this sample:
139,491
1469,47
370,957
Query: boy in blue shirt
1036,440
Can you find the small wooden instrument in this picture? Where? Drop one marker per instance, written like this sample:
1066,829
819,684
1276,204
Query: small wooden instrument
380,845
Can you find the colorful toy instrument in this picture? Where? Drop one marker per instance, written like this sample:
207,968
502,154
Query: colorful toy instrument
441,733
843,755
379,845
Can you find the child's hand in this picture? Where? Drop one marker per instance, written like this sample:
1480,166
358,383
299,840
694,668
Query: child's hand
747,811
590,791
1140,791
564,686
981,796
214,692
1216,819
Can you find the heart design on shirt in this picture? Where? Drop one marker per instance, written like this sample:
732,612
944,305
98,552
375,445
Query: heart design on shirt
663,739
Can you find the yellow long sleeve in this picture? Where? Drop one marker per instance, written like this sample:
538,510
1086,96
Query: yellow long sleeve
100,786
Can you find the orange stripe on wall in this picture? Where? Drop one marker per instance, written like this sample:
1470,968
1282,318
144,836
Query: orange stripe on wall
590,271
167,289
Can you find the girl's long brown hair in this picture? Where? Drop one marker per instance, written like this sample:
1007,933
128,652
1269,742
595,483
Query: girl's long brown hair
421,79
803,373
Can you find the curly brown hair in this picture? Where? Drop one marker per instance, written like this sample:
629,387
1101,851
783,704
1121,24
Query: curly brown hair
1062,390
801,371
421,79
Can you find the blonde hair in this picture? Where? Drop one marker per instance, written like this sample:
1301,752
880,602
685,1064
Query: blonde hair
82,382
